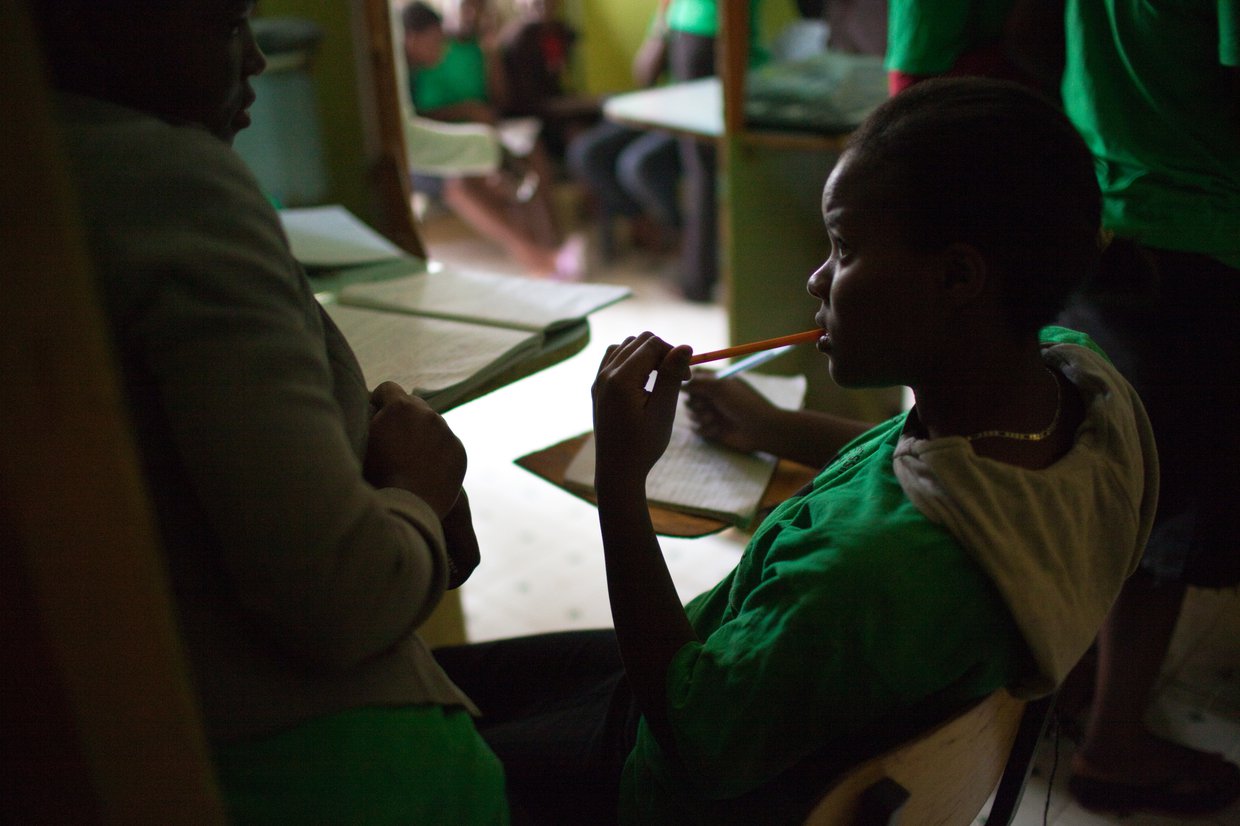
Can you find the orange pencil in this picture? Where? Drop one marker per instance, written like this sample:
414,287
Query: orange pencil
756,346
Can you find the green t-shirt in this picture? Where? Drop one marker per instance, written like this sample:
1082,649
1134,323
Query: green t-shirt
1148,85
848,608
414,764
460,76
701,17
925,37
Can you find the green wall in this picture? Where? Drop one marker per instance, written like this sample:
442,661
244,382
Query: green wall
611,31
335,79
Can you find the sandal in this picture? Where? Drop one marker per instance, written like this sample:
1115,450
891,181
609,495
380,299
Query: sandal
1182,796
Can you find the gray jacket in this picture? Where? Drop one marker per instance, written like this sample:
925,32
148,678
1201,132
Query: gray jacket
298,586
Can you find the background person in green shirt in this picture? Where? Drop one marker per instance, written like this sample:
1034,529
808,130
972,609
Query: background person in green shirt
456,80
986,38
974,542
467,82
1154,87
692,27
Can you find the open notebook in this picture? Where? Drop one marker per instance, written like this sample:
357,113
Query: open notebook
440,361
441,334
699,477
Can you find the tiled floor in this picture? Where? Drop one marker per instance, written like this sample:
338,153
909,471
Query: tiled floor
542,567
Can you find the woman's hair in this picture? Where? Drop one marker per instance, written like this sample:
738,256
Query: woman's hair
996,165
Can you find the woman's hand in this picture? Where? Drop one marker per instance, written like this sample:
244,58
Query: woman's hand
632,425
410,446
729,411
463,553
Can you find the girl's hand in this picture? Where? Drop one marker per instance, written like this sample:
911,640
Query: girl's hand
729,411
632,425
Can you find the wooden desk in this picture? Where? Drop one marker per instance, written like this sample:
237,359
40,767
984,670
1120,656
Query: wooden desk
693,108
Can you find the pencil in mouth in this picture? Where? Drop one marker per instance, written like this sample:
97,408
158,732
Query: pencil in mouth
757,346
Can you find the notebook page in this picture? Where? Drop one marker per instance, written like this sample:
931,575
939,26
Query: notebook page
700,477
487,298
436,359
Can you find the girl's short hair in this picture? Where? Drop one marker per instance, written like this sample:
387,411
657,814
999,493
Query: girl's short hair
996,165
418,17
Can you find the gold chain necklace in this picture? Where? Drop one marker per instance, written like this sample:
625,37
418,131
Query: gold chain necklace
1028,437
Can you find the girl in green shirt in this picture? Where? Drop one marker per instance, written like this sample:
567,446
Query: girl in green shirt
972,543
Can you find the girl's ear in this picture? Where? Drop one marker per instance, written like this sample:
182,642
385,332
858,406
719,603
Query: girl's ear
965,272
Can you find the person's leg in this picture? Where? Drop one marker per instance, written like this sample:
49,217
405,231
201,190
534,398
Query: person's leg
1131,648
690,57
558,712
1168,321
593,160
538,214
1120,765
649,169
699,262
534,216
473,200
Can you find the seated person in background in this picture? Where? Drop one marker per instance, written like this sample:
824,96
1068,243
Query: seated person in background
634,172
537,46
692,29
466,82
972,543
310,525
453,81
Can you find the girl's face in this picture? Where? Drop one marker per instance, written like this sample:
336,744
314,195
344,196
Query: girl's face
425,49
880,309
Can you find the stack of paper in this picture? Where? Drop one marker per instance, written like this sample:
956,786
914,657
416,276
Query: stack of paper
329,237
700,477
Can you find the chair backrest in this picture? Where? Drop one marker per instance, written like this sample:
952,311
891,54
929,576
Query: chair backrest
945,775
382,73
98,721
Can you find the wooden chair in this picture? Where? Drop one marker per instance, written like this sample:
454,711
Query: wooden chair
389,165
944,777
98,721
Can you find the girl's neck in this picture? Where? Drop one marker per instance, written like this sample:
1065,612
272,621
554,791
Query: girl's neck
1012,397
1017,410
